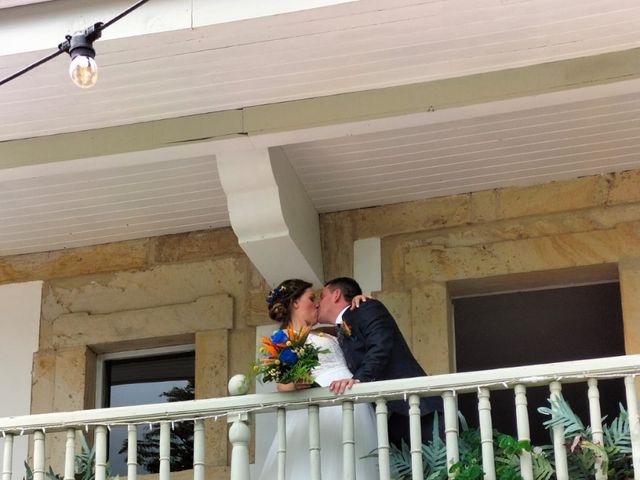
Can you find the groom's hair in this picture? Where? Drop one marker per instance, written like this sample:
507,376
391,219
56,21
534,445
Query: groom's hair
348,286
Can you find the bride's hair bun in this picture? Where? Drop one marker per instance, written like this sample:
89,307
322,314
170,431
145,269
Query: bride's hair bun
277,312
281,298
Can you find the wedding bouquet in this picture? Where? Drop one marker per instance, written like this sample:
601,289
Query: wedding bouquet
286,358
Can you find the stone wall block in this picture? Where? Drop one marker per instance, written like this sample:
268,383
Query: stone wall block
432,332
483,206
624,188
410,217
399,305
336,231
214,311
43,381
191,246
438,263
549,197
242,350
629,271
212,375
161,285
70,386
258,310
110,257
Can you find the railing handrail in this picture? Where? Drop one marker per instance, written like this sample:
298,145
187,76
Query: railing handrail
502,378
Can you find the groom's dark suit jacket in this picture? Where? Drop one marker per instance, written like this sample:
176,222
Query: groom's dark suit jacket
376,350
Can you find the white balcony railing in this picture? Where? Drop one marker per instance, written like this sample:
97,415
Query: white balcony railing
238,411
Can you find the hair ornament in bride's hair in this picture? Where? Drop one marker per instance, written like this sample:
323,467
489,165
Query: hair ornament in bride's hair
272,295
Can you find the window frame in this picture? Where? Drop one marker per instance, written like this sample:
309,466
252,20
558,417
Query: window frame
130,354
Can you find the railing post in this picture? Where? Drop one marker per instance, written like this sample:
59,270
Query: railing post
486,434
7,457
314,442
383,439
595,418
522,422
451,428
101,452
415,435
348,442
70,455
38,455
198,450
165,451
281,419
634,422
239,436
559,449
132,452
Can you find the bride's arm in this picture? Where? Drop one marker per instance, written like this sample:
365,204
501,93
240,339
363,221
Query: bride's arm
357,300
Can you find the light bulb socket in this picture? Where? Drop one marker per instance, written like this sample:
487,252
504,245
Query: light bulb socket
81,43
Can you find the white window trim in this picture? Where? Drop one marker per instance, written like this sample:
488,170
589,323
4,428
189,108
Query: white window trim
148,352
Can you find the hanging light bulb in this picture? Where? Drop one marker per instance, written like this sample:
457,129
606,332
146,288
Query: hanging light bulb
83,69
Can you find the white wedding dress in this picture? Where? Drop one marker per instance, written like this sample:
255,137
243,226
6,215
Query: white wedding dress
332,367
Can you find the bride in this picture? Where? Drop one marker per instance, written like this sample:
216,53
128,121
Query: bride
293,303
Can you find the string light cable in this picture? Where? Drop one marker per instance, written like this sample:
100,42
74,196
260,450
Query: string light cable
83,68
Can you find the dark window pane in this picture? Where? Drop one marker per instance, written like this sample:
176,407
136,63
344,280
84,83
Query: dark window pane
533,327
147,380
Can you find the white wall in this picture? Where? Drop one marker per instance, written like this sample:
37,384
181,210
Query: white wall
19,324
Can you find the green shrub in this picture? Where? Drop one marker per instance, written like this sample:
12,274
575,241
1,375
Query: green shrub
582,453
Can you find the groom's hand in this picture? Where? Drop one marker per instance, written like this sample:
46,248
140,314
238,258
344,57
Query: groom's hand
339,386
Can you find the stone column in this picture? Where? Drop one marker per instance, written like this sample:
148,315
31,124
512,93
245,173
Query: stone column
432,333
629,274
212,375
629,271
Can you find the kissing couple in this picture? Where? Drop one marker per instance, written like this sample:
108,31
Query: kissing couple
368,346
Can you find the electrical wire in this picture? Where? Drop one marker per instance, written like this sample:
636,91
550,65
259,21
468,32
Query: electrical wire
64,46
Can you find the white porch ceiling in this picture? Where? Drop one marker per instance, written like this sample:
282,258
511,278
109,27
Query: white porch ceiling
338,49
343,48
517,148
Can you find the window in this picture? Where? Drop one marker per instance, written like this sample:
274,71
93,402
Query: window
539,326
146,377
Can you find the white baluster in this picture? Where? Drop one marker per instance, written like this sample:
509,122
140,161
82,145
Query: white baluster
239,436
314,442
634,423
348,442
101,452
198,450
132,452
38,455
522,422
415,436
281,419
7,457
165,451
70,455
486,434
383,439
559,450
595,417
451,427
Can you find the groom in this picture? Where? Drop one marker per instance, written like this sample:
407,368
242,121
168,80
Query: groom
374,350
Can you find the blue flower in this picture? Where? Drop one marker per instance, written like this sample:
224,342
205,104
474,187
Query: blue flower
288,356
279,337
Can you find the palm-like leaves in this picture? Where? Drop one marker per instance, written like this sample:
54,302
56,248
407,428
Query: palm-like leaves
562,415
582,455
615,454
